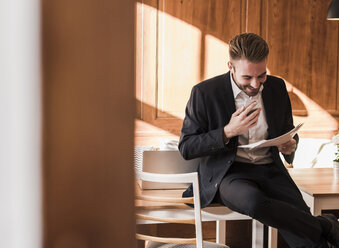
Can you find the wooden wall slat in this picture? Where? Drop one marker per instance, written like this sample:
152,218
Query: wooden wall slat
253,16
287,34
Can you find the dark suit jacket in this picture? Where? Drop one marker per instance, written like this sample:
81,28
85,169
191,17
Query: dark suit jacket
208,110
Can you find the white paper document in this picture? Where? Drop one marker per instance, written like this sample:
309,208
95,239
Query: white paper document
274,142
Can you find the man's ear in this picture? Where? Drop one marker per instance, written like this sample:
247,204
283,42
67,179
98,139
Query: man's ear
230,66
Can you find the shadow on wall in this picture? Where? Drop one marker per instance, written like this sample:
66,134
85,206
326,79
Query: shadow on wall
318,123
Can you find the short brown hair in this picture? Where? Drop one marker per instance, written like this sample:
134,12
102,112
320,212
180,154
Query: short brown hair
249,46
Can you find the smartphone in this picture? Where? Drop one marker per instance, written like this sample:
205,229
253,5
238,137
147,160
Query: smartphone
248,103
251,111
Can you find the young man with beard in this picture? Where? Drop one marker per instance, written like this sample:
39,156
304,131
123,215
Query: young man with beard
240,107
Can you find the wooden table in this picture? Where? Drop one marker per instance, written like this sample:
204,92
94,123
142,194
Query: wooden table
214,212
319,189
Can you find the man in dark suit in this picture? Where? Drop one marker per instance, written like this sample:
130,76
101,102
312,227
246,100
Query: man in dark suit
241,107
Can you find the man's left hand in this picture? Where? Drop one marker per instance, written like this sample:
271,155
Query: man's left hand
288,147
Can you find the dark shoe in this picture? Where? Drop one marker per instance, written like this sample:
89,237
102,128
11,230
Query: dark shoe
333,235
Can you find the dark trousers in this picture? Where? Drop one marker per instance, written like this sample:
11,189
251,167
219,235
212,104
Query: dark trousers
267,194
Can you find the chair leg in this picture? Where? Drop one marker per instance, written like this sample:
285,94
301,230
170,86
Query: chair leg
257,234
221,232
272,237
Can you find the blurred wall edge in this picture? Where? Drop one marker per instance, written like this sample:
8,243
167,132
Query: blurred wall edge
20,124
88,123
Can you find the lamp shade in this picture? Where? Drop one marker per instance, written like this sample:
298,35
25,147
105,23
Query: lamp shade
333,10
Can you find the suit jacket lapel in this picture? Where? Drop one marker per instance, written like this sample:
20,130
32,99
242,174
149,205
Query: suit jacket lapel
229,97
269,111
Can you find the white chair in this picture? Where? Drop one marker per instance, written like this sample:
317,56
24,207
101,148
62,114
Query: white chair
161,242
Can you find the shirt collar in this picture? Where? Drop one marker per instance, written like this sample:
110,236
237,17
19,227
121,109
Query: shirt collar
235,88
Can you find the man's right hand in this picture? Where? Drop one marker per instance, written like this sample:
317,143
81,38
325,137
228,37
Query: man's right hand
242,120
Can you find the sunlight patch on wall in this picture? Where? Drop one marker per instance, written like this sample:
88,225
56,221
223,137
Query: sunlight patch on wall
179,63
216,56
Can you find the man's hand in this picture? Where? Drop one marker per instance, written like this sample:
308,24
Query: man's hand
242,120
288,147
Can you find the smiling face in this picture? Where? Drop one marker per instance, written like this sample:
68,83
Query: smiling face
248,76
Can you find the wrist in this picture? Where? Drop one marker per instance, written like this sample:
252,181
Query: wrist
228,133
226,140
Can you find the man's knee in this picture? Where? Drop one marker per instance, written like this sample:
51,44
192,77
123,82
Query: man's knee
251,204
257,207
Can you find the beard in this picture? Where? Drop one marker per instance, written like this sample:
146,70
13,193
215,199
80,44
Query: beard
249,90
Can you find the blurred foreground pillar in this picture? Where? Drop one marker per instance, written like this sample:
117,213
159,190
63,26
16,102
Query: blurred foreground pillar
88,123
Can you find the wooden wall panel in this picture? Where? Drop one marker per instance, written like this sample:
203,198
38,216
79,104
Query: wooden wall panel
304,51
185,31
303,47
286,24
186,41
252,16
146,58
324,58
181,42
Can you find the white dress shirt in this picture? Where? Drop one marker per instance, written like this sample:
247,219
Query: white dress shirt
254,134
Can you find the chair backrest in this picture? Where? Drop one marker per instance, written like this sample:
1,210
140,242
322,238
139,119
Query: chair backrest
195,200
